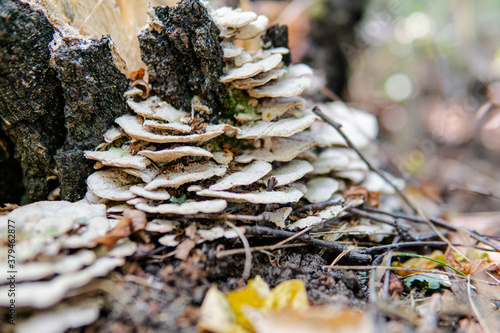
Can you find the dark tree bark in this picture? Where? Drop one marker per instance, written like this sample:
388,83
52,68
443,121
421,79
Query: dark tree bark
184,55
93,94
53,103
331,33
277,36
31,103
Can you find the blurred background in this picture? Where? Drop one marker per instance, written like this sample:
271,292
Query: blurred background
427,70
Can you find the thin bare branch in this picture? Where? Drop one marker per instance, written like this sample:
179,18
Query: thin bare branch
273,247
439,222
248,252
358,256
338,128
404,269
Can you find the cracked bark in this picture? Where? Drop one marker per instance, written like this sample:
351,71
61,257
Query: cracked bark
54,103
182,50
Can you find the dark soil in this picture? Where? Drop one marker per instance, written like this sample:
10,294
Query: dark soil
165,296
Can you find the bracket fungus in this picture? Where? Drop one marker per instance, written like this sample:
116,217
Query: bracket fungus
182,155
46,231
271,136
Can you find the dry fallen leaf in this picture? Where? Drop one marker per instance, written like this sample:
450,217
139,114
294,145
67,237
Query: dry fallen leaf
122,229
7,208
474,267
232,309
371,198
138,218
312,320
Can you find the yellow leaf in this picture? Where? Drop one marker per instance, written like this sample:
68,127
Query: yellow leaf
420,263
226,313
216,314
290,294
252,295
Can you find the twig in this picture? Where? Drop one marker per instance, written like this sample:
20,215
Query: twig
231,252
349,143
392,268
373,217
358,256
296,235
340,256
480,318
387,276
473,189
316,206
239,217
376,249
248,252
372,288
439,222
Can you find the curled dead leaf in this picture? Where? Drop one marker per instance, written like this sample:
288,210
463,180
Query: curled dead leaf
122,229
371,198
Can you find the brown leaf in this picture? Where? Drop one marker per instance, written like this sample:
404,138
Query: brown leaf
451,260
138,74
371,198
7,208
474,267
183,249
138,218
122,229
396,286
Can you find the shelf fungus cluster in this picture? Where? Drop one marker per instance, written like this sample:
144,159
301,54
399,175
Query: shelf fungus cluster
56,250
269,156
186,173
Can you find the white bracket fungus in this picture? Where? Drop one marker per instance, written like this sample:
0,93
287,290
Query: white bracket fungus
320,189
284,88
280,196
169,155
187,208
133,127
232,18
118,158
111,184
152,195
248,175
281,128
290,172
153,108
253,29
189,174
172,127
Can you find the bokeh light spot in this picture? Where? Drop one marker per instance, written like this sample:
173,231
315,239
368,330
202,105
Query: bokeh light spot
398,87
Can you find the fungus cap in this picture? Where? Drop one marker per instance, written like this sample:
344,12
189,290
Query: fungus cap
168,155
248,175
112,184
